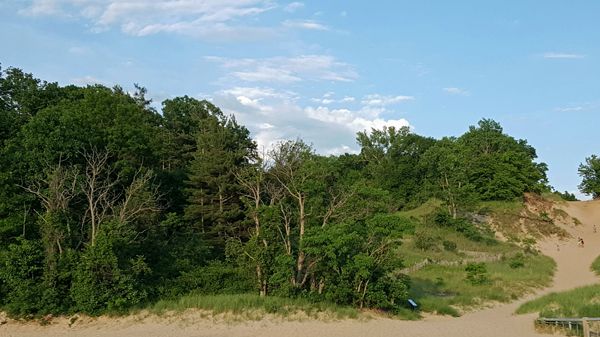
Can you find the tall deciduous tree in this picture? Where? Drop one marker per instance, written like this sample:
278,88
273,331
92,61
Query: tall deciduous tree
499,166
392,156
590,174
445,164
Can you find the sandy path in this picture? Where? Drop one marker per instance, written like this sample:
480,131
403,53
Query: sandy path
573,270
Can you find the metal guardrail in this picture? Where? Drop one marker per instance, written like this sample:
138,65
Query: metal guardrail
585,327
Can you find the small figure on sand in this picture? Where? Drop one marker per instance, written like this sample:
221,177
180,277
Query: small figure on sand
594,228
580,242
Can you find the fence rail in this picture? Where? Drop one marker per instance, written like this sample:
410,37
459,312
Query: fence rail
585,327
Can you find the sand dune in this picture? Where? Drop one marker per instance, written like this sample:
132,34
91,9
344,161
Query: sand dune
573,270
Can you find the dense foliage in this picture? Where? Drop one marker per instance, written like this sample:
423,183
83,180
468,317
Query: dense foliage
590,174
105,203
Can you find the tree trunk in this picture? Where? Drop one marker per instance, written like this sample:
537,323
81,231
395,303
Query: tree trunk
301,256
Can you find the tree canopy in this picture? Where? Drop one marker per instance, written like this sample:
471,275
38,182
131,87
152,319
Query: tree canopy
590,175
107,203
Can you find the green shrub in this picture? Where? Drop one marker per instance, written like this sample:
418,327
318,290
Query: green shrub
216,278
443,219
99,283
448,310
449,245
517,261
477,273
396,222
425,240
21,270
388,293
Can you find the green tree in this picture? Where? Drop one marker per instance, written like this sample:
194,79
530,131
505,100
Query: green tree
500,167
445,164
392,158
214,206
590,175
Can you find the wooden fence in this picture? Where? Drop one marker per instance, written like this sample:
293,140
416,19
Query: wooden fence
472,257
584,327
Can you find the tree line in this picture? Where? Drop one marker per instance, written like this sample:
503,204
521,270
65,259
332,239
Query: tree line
107,203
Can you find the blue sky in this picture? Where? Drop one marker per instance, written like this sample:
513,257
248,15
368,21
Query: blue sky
323,70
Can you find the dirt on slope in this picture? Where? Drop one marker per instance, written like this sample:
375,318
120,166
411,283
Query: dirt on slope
573,270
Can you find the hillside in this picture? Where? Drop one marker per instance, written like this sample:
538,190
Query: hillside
573,270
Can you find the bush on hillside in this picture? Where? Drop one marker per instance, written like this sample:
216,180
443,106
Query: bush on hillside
449,245
426,241
477,274
517,261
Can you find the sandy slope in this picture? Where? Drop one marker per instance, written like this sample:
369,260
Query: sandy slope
573,270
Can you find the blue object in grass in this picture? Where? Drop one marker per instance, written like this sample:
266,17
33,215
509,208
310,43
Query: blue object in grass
413,304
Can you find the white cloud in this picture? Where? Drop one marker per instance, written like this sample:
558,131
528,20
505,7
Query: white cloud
287,69
382,100
328,98
456,91
553,55
577,107
304,24
42,8
273,115
211,19
336,151
266,126
77,50
88,80
353,120
325,101
266,74
569,109
294,6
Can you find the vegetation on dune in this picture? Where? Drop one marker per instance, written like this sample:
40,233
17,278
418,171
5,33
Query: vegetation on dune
579,302
447,289
458,270
590,174
107,204
253,306
596,265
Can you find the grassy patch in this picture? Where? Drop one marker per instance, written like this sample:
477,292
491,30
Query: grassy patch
254,307
553,196
443,289
465,248
438,276
421,212
596,265
579,302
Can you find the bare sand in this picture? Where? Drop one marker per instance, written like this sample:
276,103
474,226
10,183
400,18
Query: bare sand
573,270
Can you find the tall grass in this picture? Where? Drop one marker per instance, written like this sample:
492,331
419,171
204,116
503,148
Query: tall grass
423,210
596,265
443,289
254,306
579,302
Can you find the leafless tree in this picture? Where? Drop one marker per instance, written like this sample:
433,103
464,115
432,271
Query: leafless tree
140,198
55,191
288,169
98,188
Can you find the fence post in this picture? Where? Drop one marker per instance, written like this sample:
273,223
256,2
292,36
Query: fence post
586,327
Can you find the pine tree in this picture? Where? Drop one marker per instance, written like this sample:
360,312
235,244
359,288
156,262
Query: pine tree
214,205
